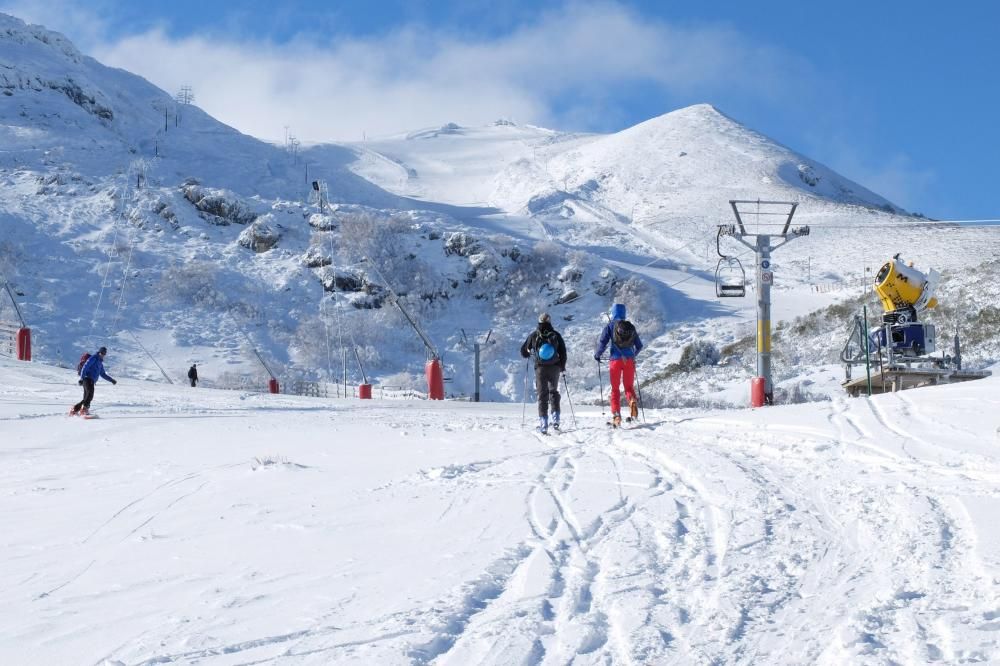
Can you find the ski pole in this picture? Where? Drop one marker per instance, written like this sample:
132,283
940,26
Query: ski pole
638,389
600,381
569,399
524,399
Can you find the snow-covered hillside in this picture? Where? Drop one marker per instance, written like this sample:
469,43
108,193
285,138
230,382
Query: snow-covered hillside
222,527
134,221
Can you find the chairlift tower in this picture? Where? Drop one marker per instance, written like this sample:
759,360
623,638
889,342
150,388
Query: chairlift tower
763,244
322,194
476,348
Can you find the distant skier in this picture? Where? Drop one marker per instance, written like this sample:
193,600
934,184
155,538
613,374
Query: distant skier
92,369
193,374
625,344
546,346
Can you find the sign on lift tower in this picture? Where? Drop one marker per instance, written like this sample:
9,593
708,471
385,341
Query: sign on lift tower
763,244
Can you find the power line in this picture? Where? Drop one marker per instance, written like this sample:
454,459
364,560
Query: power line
930,224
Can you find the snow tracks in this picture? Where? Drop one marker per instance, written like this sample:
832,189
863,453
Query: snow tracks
713,540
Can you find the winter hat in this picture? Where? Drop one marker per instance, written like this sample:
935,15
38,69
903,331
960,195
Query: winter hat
618,311
102,350
544,318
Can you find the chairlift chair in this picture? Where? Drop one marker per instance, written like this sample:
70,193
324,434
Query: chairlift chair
730,278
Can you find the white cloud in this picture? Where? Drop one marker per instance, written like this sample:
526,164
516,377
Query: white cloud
896,178
417,77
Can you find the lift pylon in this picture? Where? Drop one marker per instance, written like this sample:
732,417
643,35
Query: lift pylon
762,246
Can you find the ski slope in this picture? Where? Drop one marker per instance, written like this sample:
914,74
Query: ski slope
213,527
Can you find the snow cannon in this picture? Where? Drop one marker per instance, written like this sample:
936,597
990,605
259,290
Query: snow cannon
904,292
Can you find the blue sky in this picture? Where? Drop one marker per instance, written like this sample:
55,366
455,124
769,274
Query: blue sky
902,97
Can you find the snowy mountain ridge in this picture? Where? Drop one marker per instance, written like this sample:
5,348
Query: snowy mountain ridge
142,220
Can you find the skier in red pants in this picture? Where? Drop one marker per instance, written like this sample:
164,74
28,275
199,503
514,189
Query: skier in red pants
625,344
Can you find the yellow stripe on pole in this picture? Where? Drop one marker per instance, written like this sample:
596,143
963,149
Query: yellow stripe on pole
764,336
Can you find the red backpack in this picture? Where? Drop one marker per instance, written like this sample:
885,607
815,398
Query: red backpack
83,361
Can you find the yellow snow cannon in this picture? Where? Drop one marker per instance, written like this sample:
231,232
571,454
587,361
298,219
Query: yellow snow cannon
904,290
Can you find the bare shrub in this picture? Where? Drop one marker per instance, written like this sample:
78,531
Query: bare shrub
191,284
642,304
10,257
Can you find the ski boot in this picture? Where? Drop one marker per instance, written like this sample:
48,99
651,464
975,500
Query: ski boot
73,412
633,409
543,425
616,420
555,420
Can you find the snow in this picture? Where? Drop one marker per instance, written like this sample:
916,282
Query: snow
223,527
237,527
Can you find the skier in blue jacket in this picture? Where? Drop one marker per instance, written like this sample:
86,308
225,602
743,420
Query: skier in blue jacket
624,340
92,370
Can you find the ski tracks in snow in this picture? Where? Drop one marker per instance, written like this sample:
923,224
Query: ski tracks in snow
706,545
888,548
135,515
565,594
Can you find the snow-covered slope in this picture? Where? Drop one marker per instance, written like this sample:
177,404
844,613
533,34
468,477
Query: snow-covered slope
222,527
656,164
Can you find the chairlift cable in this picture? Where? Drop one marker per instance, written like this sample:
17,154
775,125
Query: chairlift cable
111,256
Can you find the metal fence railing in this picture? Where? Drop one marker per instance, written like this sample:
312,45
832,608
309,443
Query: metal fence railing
8,338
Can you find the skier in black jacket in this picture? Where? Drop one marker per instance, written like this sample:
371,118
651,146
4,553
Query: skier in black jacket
193,374
546,346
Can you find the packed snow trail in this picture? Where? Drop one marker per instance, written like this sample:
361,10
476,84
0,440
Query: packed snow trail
189,525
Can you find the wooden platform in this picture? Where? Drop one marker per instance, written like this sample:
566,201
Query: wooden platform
900,379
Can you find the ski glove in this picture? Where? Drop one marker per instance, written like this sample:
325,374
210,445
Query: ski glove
80,382
597,357
113,381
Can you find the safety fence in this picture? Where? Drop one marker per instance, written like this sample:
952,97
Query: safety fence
8,338
15,341
842,285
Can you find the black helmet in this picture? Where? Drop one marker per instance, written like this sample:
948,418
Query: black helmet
102,350
544,318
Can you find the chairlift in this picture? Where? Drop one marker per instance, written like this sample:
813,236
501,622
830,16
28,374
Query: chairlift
730,278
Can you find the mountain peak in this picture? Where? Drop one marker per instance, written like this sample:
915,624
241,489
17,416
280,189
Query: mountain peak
696,113
15,31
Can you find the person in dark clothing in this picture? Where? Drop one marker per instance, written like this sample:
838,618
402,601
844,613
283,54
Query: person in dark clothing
193,374
625,344
546,346
92,370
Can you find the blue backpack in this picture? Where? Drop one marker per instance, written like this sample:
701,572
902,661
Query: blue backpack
547,348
